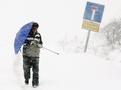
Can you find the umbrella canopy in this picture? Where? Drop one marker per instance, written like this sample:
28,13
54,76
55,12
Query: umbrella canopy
21,36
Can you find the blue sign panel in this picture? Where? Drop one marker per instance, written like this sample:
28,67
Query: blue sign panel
93,12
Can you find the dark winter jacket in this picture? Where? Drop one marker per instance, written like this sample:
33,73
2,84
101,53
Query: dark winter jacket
32,45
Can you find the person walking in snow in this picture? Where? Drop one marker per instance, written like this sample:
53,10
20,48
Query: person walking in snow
31,51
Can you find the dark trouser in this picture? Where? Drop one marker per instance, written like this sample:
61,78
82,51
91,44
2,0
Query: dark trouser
28,63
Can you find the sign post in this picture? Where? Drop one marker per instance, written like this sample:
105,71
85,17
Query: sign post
92,18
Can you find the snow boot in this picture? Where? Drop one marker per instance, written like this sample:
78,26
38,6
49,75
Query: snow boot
26,82
35,84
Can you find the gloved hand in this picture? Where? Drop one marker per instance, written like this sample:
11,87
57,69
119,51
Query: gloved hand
33,42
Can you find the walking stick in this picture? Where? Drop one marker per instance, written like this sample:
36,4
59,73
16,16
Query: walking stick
51,51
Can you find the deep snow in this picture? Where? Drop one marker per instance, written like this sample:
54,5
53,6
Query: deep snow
66,72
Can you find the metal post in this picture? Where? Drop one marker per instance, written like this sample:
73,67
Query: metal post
87,40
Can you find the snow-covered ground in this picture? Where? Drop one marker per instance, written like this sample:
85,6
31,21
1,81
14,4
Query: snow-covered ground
65,72
60,25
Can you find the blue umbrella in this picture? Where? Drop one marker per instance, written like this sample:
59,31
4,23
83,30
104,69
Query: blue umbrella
21,36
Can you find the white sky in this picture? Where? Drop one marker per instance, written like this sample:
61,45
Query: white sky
54,16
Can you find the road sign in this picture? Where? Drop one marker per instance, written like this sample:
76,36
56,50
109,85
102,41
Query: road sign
90,8
89,25
92,19
92,16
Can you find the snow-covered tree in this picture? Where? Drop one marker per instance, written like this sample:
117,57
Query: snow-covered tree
112,32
